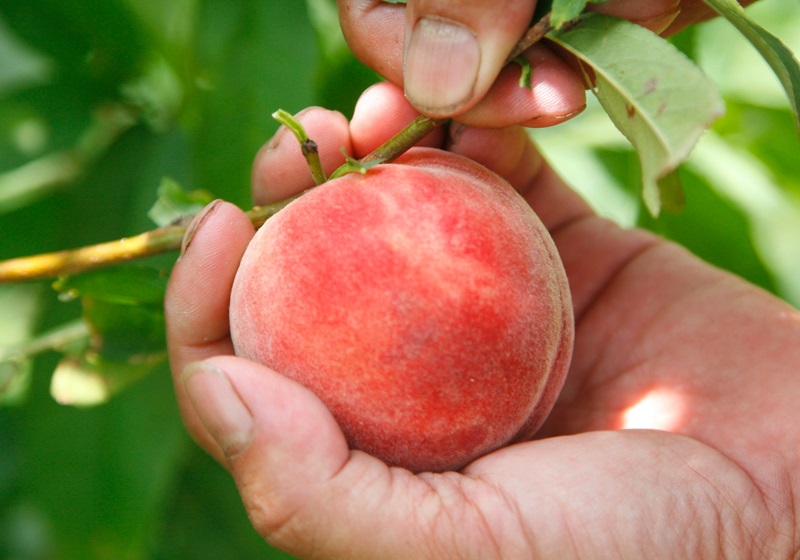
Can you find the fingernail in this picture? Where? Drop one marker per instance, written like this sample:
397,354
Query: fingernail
218,406
195,224
441,66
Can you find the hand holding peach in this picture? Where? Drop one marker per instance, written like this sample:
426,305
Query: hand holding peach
717,476
423,302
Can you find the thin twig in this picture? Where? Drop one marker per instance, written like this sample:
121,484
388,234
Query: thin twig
155,242
535,33
418,129
169,238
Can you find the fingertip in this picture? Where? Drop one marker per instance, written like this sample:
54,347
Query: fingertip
374,32
218,406
280,170
292,423
381,112
196,301
199,285
441,66
454,51
509,148
294,449
557,94
297,477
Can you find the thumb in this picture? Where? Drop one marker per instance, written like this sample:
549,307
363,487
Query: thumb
304,490
454,50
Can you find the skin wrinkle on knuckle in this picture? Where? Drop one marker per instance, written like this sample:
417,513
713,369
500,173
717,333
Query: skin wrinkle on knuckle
272,518
453,504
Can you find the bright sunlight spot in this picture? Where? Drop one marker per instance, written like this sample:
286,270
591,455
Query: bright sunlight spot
660,409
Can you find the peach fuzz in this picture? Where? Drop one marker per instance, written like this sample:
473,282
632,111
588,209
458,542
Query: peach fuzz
423,302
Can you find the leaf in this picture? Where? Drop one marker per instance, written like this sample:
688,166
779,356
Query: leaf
124,313
89,380
715,229
658,98
123,307
98,482
20,310
128,285
564,11
777,55
174,203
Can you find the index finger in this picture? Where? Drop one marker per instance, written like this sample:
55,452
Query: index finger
197,298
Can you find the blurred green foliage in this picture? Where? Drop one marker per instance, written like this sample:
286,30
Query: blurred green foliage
100,100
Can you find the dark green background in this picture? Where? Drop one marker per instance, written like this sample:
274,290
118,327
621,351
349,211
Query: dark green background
122,480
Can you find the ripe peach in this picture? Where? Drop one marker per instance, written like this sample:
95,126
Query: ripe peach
423,302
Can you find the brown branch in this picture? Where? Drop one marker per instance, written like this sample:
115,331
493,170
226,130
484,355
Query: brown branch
169,238
155,242
535,33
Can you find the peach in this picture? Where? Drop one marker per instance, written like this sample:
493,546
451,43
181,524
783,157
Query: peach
423,302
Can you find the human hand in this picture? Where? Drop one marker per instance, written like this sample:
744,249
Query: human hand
701,364
450,55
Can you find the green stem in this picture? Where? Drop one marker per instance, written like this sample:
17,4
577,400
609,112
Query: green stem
169,238
398,144
308,147
155,242
56,339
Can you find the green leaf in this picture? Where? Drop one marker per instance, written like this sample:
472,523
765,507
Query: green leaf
715,229
128,285
655,95
777,55
565,10
174,203
526,71
97,482
20,305
124,312
90,380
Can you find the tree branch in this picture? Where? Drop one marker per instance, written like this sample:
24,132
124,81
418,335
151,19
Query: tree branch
169,238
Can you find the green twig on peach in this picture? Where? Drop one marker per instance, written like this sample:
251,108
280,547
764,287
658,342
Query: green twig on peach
169,238
308,147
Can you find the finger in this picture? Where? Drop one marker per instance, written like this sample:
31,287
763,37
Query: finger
693,11
665,17
454,50
513,156
280,170
557,93
304,490
197,297
655,15
374,31
381,112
